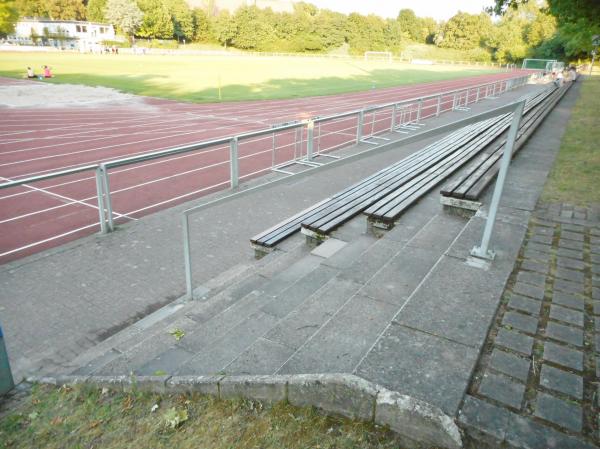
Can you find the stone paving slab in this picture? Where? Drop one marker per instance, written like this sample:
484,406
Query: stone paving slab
431,368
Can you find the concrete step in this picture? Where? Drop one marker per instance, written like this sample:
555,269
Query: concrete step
216,346
150,336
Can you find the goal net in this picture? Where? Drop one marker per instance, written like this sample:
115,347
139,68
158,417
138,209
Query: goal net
378,56
548,65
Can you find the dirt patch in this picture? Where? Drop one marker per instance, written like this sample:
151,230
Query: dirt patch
42,95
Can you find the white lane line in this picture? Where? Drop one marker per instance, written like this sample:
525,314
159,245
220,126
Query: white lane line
71,201
153,139
41,242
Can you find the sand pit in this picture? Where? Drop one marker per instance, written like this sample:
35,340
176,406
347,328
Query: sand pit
39,95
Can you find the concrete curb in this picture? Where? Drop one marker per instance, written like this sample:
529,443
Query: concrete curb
337,394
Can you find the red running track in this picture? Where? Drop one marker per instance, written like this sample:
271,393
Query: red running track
38,141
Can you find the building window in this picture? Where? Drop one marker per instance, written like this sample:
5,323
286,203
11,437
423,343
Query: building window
78,28
84,28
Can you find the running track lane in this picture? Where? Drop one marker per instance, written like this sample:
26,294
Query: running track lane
38,141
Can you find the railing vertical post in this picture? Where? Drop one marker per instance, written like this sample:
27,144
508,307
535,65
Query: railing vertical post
477,95
483,251
439,106
310,139
234,162
319,140
273,151
100,194
393,126
107,198
454,101
187,256
419,110
359,126
7,382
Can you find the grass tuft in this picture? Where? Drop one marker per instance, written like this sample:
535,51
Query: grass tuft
85,417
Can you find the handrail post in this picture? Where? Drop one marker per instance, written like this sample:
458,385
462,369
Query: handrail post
393,126
310,139
7,382
234,162
107,198
482,251
187,256
359,126
100,194
477,96
439,105
419,109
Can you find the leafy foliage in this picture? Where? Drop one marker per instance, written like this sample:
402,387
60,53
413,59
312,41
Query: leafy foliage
125,14
8,17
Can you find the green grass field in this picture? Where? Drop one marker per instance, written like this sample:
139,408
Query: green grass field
197,78
575,177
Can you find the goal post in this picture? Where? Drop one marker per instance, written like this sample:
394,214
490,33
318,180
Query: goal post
548,65
378,56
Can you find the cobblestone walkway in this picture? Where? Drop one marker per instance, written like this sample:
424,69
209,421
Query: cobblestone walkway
536,384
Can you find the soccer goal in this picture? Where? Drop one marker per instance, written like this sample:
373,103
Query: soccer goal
548,65
378,56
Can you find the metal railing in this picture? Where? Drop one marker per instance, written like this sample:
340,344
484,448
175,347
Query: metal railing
273,149
482,251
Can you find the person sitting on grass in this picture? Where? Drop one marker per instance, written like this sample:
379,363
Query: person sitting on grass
30,73
47,72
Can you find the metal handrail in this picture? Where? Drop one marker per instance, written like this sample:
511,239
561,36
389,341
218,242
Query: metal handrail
101,169
481,251
225,140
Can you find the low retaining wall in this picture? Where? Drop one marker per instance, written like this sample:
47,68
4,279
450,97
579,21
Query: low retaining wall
415,421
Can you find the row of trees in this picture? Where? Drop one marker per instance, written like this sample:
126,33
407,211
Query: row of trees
524,30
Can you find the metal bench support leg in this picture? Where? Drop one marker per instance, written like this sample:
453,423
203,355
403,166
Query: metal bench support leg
482,251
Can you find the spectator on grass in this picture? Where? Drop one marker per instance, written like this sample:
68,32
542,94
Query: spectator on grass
47,72
30,73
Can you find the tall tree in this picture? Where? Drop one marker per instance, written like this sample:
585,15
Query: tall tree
124,14
183,19
411,24
8,17
202,26
66,9
225,28
95,10
157,22
466,31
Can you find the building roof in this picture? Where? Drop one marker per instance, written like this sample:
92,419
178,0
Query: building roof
75,22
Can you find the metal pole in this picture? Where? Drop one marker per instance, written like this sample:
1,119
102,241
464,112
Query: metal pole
477,96
7,382
100,194
393,118
107,198
420,108
359,126
273,151
454,101
482,251
187,255
233,162
439,106
310,136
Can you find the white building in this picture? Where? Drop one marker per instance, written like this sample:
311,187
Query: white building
63,33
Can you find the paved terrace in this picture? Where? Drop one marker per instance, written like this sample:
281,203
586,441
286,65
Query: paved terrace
406,309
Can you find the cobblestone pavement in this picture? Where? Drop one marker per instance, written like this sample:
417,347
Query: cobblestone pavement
541,363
